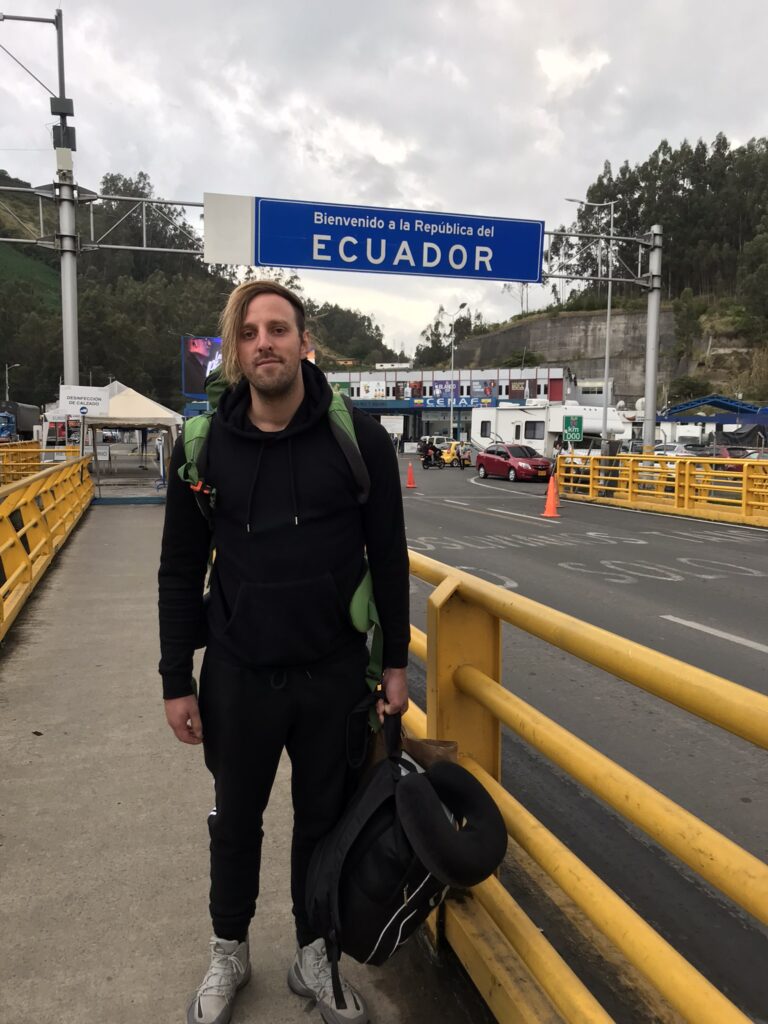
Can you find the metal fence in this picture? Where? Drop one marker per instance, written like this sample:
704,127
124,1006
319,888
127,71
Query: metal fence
23,458
37,514
511,962
520,974
726,490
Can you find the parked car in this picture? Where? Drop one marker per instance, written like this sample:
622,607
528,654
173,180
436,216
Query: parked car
513,461
634,447
761,458
704,451
455,449
436,440
681,450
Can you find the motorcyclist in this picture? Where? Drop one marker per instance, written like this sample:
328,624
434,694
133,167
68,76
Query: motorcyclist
430,454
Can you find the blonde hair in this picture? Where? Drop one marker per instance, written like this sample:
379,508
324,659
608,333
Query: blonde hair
233,314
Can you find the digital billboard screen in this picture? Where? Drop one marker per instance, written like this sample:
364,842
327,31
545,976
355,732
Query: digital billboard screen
199,356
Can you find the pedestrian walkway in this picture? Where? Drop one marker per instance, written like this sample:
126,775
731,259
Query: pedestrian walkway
103,816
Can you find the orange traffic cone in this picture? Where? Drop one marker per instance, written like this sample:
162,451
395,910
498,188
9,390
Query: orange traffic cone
409,480
550,505
557,490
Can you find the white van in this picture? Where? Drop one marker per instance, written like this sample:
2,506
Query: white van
438,440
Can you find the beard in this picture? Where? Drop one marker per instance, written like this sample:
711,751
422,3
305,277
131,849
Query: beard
275,379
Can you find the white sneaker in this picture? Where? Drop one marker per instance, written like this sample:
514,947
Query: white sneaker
230,969
310,976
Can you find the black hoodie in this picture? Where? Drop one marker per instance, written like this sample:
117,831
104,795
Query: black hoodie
290,534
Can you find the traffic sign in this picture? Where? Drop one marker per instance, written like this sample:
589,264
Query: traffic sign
323,236
83,410
573,428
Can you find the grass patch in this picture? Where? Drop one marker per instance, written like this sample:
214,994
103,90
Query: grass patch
17,265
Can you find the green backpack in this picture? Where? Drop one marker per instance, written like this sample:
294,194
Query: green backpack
362,607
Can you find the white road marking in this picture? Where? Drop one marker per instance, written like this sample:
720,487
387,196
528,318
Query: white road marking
450,501
520,515
506,489
719,633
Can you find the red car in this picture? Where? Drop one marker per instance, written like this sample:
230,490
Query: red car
513,461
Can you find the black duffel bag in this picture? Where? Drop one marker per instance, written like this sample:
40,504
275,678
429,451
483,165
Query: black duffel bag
407,835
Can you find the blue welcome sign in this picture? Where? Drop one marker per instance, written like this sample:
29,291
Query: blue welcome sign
321,236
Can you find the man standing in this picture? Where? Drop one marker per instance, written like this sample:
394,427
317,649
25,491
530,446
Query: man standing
283,666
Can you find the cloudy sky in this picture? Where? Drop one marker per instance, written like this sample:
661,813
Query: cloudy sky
493,107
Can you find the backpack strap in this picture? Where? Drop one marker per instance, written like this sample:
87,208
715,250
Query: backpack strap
340,417
194,437
362,607
365,616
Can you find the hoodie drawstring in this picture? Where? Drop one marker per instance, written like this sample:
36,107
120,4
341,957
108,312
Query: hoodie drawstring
292,481
253,489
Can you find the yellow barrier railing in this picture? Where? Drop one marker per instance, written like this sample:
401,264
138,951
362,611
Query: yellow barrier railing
466,702
23,458
726,490
37,514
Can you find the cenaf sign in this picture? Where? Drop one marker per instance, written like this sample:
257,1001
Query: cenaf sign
317,236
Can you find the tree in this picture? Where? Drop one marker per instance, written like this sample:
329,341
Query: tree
347,332
435,348
688,311
753,283
683,389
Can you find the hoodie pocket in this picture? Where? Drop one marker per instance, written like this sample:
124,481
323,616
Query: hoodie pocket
287,623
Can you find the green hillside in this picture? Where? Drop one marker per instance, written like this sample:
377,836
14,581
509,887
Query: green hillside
17,265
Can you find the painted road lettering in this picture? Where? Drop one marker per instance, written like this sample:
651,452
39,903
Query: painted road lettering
499,541
616,571
492,577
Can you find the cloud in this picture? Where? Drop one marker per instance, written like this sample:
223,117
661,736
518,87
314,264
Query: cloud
493,107
564,72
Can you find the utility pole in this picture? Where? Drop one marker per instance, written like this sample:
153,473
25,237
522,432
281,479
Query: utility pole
607,363
64,144
453,343
607,360
652,338
9,366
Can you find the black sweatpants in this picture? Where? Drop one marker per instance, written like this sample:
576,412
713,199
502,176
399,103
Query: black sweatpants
248,717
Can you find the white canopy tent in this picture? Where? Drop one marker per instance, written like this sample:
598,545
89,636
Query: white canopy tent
126,409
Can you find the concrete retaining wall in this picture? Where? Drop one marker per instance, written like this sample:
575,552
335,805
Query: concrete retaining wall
577,340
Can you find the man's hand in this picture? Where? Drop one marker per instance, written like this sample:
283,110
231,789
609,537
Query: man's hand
184,718
394,682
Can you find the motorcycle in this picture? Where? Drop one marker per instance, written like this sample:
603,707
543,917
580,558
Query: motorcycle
432,460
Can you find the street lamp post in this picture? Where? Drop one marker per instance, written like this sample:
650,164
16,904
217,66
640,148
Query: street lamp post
611,203
453,340
64,193
9,366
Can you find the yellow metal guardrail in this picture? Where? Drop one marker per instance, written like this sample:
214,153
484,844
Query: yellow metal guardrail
730,491
23,458
519,973
37,514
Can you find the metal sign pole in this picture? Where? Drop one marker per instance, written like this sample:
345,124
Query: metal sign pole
65,200
83,414
606,397
64,144
652,338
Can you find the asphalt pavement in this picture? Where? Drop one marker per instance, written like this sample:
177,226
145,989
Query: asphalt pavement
692,589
